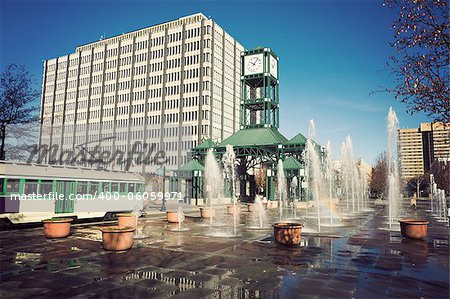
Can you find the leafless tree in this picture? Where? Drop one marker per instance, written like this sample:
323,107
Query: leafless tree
17,102
441,173
420,63
416,184
378,178
260,178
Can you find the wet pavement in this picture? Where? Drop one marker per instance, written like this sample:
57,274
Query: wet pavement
358,259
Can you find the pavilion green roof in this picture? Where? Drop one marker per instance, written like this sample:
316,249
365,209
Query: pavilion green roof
298,139
207,144
192,166
290,163
253,137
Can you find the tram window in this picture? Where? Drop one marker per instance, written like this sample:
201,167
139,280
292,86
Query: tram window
131,187
106,187
123,187
46,187
2,181
82,188
114,187
93,188
12,185
31,186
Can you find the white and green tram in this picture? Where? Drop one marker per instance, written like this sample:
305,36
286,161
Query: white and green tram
33,192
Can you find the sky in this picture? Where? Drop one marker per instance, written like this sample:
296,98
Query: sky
332,53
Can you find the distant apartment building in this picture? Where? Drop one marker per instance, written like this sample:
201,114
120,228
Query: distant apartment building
170,86
420,147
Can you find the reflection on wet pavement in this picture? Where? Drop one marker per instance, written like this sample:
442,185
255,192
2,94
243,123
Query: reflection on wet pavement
358,259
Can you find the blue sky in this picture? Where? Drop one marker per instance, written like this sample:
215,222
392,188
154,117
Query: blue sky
332,53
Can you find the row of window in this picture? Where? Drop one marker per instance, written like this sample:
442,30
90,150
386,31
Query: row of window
22,186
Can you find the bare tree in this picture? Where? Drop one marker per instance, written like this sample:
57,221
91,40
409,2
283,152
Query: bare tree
441,173
19,140
420,63
416,183
17,101
260,178
378,178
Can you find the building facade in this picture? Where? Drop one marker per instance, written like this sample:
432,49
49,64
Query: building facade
165,87
420,147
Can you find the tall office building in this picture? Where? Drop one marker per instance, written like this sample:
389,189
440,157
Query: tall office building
170,86
420,147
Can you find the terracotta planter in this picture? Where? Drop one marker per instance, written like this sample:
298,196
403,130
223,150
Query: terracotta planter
117,238
57,228
265,205
287,233
207,212
172,217
231,209
127,220
251,207
413,228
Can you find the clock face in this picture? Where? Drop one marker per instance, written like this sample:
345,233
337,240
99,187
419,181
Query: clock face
253,64
273,66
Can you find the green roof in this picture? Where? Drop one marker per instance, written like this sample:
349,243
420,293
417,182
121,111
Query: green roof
254,136
298,139
291,164
207,144
192,166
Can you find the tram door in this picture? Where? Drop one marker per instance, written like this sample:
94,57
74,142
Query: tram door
65,205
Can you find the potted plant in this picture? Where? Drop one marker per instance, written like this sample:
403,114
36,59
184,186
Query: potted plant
413,228
207,212
231,209
127,219
287,233
175,217
57,227
117,237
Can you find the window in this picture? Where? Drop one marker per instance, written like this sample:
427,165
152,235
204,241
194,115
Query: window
131,187
82,188
106,187
12,185
123,187
114,187
31,186
46,187
94,188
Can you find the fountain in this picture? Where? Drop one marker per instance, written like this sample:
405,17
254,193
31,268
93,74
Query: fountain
137,212
354,182
350,176
438,203
329,176
313,169
281,187
393,173
259,214
294,189
229,170
213,185
180,218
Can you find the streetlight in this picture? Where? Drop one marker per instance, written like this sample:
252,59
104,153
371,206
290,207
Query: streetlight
163,206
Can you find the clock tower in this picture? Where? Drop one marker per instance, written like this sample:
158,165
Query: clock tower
259,103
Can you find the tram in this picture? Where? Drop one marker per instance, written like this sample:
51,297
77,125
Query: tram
33,192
